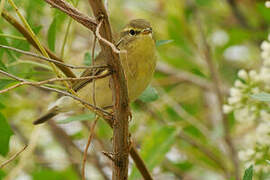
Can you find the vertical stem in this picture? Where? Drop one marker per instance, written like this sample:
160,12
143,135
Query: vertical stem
120,95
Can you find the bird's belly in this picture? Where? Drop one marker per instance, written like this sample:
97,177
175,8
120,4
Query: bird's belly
139,70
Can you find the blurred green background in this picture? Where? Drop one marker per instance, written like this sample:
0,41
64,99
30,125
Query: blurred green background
177,125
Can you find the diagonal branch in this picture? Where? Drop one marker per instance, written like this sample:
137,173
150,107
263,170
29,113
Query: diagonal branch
65,7
101,112
29,38
50,60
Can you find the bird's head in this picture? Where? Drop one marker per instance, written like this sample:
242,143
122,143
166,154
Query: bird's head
135,29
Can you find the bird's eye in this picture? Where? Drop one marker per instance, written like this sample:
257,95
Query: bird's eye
132,32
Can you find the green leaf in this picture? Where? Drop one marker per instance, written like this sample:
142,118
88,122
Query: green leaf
248,173
268,162
9,53
5,82
261,97
2,65
45,174
37,29
2,174
163,42
5,133
154,148
87,60
81,117
2,106
150,94
52,34
203,2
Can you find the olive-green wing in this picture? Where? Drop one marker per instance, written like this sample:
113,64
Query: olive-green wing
99,60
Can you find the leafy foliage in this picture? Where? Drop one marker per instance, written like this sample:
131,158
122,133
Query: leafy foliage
248,173
5,133
150,94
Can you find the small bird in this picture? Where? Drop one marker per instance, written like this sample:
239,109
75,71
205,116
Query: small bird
138,61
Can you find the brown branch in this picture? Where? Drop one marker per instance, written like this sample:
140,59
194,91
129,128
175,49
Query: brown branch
64,139
217,84
91,135
184,76
67,8
27,35
120,95
50,60
13,157
238,14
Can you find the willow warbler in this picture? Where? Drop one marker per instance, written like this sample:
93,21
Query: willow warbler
138,61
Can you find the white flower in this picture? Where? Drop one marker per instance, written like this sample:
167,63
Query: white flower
253,75
227,109
267,4
234,99
235,92
219,38
263,133
244,115
237,53
239,84
243,74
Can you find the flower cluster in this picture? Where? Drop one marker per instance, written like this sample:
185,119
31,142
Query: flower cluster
251,114
244,108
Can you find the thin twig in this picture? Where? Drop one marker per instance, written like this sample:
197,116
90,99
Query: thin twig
13,157
184,76
65,7
49,59
50,81
100,111
238,14
30,39
13,36
91,135
105,40
66,33
72,148
93,63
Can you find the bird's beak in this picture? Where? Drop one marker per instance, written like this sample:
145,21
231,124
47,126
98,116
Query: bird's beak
147,31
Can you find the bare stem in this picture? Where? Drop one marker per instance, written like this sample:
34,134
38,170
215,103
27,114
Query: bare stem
101,112
49,59
13,157
91,135
50,81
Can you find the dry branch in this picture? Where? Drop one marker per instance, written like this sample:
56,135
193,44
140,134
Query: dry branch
27,35
50,60
13,157
120,95
65,7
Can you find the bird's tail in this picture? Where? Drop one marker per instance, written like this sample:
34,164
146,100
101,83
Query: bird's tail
45,117
63,104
